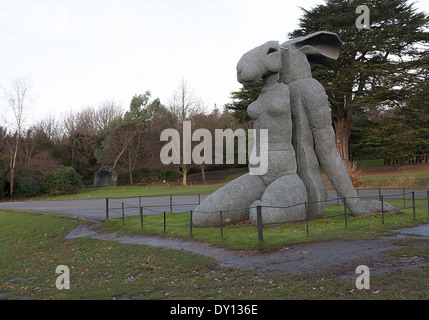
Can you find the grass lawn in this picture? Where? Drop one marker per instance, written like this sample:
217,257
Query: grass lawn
415,180
33,245
245,237
158,189
135,191
371,163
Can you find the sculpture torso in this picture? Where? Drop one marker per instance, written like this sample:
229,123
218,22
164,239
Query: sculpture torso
272,111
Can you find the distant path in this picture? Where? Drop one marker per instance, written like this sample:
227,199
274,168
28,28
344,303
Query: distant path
91,209
95,209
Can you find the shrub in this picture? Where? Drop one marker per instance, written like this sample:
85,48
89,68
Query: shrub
68,181
26,188
48,183
65,181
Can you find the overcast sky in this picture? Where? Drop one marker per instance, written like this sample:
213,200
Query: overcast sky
81,53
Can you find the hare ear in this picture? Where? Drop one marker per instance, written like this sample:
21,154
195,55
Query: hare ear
319,47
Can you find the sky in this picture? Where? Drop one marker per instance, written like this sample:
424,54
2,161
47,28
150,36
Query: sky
81,53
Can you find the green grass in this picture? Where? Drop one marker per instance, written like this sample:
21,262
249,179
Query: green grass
416,180
33,245
135,191
371,163
245,237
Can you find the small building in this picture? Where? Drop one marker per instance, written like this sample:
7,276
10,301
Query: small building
106,177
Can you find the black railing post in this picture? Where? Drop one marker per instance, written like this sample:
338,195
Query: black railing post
414,206
221,225
259,217
382,210
107,208
141,216
345,211
123,214
171,203
164,221
190,224
428,201
306,216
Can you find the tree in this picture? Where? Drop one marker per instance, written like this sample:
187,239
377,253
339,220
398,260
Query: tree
80,141
124,141
184,105
241,100
376,66
18,98
210,122
106,113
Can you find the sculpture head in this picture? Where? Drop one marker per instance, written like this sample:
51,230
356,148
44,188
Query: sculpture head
259,63
319,47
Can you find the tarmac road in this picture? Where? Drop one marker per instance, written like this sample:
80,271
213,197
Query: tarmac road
95,209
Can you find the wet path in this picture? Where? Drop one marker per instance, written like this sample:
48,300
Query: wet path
294,259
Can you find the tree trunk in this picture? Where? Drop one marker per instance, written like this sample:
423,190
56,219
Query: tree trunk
13,166
203,172
342,138
184,171
342,122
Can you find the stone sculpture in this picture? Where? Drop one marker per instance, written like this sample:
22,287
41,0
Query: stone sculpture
314,138
105,177
295,109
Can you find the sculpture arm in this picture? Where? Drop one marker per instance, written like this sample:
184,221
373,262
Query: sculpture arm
319,117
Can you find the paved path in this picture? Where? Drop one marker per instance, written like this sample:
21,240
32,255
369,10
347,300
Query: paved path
95,209
346,255
312,257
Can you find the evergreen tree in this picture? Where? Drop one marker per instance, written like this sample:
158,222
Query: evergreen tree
241,100
377,66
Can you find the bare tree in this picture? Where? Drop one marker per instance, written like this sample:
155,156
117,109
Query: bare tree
107,112
18,97
51,127
184,105
80,139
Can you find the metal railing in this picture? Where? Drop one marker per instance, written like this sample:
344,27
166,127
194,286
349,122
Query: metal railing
141,208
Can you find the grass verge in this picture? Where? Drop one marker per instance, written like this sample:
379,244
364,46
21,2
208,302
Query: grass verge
135,191
245,237
33,245
417,180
